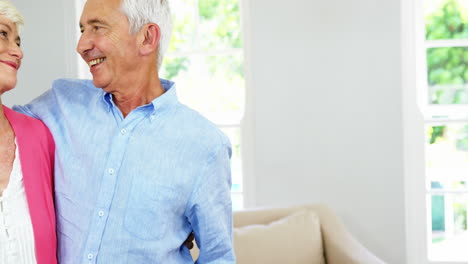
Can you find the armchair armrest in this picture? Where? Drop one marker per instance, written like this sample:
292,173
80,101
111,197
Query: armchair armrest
339,245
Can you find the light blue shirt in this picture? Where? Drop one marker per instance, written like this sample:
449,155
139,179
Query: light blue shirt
130,190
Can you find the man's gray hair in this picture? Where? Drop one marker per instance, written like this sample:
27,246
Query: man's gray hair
141,12
9,11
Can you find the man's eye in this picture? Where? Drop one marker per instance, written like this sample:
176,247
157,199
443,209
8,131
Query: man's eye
3,33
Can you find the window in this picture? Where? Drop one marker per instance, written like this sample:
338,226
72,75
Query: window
444,104
205,59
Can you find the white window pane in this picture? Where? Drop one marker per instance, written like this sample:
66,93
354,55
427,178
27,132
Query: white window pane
237,201
447,175
442,185
184,36
448,234
212,85
447,152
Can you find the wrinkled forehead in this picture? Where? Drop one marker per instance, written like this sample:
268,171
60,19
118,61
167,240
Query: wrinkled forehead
101,6
102,10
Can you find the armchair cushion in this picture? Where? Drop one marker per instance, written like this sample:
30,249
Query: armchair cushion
296,238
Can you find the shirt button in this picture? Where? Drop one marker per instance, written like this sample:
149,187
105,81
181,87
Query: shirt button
101,213
90,256
123,131
152,117
111,171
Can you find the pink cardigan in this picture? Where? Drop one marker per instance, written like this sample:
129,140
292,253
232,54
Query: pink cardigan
36,152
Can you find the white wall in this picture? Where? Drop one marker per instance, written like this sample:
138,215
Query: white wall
327,121
326,104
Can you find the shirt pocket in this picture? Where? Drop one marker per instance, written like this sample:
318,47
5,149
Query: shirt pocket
148,211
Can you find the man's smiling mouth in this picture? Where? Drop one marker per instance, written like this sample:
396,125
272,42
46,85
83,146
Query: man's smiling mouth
94,62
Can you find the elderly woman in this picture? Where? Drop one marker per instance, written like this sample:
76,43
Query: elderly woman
27,217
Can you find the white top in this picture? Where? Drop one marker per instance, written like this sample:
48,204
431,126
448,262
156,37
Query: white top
16,233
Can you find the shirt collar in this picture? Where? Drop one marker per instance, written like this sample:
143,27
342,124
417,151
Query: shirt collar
161,102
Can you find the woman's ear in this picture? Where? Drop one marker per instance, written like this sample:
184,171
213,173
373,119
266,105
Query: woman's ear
149,37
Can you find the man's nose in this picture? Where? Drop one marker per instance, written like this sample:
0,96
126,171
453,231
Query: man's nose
84,44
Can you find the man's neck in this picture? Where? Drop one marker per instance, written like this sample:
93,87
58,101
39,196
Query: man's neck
137,95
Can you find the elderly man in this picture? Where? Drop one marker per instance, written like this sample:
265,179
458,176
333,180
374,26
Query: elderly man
136,171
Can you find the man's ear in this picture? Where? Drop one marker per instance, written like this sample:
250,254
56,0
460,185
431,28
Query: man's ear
149,37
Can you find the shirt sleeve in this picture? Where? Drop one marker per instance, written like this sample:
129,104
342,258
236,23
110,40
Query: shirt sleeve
39,107
24,110
210,210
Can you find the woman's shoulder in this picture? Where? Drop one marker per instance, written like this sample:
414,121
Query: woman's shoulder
27,127
19,119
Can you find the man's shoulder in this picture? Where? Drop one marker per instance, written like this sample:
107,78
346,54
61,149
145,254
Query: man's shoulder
75,92
65,96
66,85
195,125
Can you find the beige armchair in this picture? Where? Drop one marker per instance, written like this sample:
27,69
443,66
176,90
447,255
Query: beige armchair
294,235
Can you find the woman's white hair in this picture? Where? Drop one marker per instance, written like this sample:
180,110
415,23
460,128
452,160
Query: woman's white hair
141,12
9,11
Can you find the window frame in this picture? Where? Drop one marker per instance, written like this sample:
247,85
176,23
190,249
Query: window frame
417,113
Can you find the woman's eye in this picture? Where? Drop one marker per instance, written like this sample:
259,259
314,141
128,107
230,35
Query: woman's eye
3,33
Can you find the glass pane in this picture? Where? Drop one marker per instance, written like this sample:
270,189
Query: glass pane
212,85
237,201
219,24
172,67
446,19
449,185
448,233
184,25
447,72
236,165
447,153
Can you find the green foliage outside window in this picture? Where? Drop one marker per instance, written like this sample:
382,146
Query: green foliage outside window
174,65
224,14
218,29
448,22
436,132
459,211
447,68
447,78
